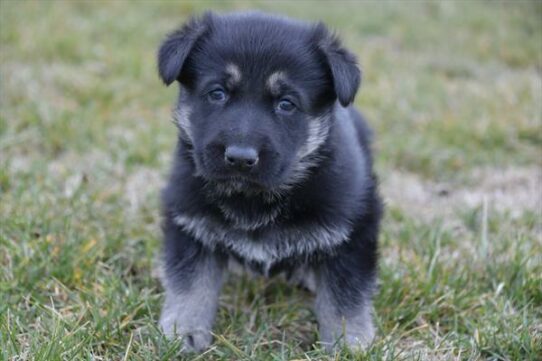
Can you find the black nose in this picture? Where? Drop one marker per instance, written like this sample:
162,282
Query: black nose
243,158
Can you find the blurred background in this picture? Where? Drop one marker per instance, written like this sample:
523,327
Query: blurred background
453,91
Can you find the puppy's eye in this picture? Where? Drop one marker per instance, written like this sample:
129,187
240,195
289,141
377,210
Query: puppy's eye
217,95
285,105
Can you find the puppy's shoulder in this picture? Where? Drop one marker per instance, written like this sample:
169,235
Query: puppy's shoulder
355,130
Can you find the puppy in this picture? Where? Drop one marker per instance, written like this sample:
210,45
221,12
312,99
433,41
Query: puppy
272,170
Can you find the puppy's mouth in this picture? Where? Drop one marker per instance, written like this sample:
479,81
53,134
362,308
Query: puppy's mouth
234,185
241,182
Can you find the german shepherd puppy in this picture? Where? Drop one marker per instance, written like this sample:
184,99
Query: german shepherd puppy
272,170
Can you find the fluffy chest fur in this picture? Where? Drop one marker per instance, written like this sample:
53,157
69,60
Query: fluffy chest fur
261,238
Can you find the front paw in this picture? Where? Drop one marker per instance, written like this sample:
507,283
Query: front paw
360,341
194,339
357,337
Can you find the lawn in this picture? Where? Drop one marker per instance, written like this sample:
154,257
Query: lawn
453,91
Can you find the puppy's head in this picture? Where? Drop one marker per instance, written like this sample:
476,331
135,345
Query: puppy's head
257,93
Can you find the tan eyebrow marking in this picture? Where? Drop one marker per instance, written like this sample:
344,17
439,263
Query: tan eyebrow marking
235,74
273,82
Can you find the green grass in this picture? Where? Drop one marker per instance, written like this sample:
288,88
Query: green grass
453,91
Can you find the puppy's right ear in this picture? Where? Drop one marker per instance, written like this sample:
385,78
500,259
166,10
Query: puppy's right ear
178,44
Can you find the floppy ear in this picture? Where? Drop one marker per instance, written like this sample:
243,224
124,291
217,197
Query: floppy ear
178,44
342,63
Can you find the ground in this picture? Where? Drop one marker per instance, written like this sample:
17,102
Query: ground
453,91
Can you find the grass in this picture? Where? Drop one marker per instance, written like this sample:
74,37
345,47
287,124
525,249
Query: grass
454,93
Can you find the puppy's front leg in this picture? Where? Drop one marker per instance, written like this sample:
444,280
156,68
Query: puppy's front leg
192,280
345,284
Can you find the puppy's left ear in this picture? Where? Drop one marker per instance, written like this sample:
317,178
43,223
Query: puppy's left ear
342,63
178,44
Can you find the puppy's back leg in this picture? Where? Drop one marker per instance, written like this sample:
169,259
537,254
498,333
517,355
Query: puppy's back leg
192,280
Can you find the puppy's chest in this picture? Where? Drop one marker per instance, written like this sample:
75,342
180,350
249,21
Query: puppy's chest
253,216
264,234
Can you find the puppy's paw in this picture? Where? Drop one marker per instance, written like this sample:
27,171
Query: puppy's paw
193,339
356,336
360,341
196,341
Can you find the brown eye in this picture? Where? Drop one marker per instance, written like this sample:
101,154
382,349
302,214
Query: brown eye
217,95
285,105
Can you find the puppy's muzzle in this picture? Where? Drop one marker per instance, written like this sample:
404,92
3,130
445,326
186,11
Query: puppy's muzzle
241,157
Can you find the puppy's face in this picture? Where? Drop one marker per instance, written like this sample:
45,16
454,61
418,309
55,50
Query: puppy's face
257,93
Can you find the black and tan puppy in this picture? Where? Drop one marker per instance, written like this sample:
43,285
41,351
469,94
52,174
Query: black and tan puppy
272,170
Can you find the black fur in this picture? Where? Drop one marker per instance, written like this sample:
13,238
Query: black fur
319,210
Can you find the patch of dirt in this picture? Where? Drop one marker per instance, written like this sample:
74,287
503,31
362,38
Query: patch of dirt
97,167
514,190
140,185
